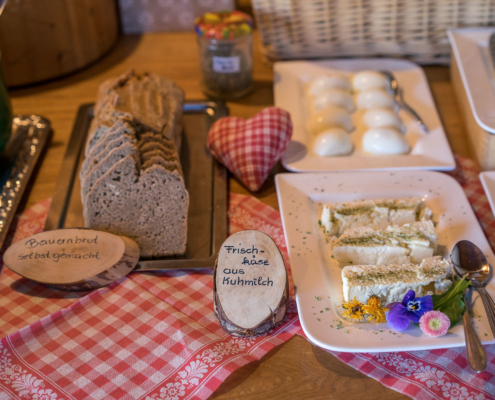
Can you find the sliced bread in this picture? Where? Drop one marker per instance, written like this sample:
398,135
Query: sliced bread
98,128
150,208
124,130
102,154
131,179
154,101
166,151
111,158
158,160
151,137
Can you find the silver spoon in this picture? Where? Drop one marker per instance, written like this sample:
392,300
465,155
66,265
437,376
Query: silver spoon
399,97
467,256
469,260
475,352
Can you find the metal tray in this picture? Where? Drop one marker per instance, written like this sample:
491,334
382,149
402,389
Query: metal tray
205,178
30,134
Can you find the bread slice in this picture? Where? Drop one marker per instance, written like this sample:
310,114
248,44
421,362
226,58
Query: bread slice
150,208
98,128
154,101
151,137
166,149
158,150
157,160
148,138
159,153
124,131
113,144
111,158
121,127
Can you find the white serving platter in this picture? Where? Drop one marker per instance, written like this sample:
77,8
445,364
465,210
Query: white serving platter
316,275
470,49
428,151
487,179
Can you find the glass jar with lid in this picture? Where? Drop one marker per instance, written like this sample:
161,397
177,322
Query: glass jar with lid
225,44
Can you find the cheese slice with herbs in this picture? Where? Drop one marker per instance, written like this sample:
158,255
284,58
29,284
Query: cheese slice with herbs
392,282
410,243
376,214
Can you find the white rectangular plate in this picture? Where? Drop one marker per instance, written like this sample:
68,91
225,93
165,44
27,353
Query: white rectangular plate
428,151
487,179
470,48
316,276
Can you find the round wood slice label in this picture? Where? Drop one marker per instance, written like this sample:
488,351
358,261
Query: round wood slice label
250,278
66,256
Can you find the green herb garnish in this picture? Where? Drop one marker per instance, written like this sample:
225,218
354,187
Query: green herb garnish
451,303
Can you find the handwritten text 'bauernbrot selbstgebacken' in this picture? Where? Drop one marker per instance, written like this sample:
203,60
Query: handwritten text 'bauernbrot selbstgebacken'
39,254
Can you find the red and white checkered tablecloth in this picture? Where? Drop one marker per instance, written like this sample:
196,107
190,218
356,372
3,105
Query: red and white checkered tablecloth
154,335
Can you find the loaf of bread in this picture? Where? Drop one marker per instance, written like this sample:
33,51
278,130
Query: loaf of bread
132,182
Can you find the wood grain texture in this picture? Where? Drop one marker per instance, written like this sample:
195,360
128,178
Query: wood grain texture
250,284
296,369
81,259
44,39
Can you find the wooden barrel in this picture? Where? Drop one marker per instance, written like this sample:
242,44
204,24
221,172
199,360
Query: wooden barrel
44,39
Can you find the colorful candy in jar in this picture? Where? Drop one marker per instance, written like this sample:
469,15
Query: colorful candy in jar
225,50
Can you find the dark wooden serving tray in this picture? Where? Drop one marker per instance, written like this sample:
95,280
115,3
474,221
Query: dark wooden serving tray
205,178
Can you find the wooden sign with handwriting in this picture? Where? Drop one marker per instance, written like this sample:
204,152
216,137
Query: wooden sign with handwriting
73,259
250,284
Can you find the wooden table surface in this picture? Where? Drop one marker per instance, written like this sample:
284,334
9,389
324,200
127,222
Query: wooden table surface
296,369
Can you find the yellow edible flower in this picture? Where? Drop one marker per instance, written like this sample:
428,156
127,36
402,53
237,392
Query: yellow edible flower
374,310
353,309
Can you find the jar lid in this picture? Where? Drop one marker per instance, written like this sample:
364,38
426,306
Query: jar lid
223,25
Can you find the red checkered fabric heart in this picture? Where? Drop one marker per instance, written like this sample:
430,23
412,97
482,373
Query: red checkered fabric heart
251,148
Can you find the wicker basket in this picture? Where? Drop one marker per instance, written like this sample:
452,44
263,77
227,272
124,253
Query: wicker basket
338,28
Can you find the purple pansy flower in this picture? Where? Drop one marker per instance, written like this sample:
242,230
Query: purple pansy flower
410,309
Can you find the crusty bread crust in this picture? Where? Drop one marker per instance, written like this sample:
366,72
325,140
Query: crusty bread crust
151,100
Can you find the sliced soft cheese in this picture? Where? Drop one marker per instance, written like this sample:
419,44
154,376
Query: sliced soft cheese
392,282
376,214
410,243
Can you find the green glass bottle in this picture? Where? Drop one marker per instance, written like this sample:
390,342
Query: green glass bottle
5,113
